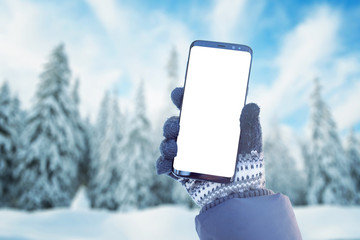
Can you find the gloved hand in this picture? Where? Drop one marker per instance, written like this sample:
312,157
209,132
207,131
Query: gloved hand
249,177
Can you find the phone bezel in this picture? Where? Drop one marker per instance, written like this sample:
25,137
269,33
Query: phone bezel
220,45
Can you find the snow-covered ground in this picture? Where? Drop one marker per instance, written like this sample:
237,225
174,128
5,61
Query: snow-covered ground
159,223
329,222
164,222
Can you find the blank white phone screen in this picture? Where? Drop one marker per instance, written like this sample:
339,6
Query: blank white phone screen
215,91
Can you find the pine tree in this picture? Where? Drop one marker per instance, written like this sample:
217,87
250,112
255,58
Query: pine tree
11,125
353,156
328,170
75,92
172,68
105,190
6,145
86,162
161,189
97,154
80,132
181,197
170,191
17,115
49,164
138,165
103,116
282,174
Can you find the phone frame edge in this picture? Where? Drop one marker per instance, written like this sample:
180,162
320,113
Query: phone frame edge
229,46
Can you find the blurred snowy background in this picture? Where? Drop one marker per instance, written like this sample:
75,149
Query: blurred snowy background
85,89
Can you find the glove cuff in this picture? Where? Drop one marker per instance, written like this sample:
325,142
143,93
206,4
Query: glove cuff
245,194
249,175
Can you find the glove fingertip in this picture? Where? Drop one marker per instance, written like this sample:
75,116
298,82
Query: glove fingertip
163,166
249,115
168,148
171,128
177,96
251,135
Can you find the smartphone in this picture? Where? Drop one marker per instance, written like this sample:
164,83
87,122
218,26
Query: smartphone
215,90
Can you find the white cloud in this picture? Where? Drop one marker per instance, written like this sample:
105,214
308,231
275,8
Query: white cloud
115,18
233,21
123,43
224,17
346,109
341,87
305,50
128,44
144,47
21,59
313,50
28,34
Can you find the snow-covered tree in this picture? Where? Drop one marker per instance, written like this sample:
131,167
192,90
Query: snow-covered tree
165,188
81,134
353,156
282,173
172,68
104,190
138,166
161,188
172,73
87,158
103,116
7,152
97,154
18,117
328,170
181,197
75,92
11,125
49,164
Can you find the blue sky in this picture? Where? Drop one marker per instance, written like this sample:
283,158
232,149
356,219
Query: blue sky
115,44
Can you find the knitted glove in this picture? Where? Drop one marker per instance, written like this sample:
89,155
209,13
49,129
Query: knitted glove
249,179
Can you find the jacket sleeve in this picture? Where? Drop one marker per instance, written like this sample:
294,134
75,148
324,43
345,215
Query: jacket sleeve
263,217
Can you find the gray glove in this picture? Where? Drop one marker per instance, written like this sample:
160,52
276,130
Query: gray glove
249,179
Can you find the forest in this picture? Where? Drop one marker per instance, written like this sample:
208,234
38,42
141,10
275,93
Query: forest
49,151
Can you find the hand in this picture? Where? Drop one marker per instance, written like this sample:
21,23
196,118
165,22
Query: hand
249,179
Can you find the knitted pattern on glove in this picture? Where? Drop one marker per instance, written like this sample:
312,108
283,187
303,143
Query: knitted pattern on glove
249,175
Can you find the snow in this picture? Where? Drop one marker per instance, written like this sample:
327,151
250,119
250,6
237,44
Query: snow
329,222
163,222
158,223
80,202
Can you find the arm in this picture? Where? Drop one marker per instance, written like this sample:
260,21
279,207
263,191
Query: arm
249,216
